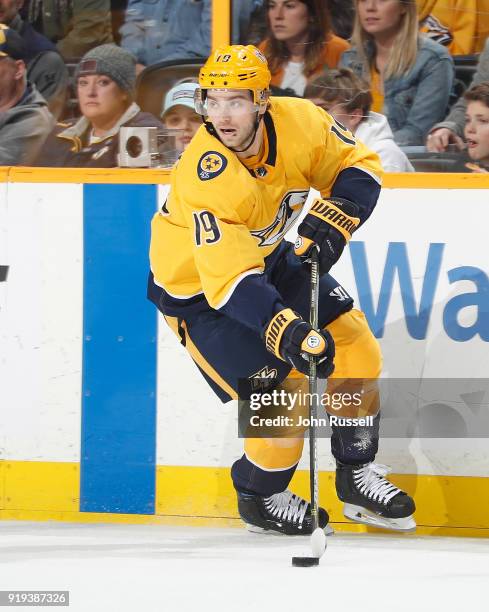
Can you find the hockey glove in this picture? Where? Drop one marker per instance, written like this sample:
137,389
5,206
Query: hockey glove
329,224
291,339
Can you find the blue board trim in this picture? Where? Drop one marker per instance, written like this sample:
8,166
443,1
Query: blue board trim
118,444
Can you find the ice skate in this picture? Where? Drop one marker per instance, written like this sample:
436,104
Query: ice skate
284,512
371,499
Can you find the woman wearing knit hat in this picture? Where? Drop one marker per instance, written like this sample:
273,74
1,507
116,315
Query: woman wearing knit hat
105,82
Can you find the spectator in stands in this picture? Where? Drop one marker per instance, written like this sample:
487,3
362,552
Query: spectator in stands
300,42
179,113
347,98
256,30
76,26
451,130
410,75
168,30
146,29
25,120
477,126
341,12
45,66
118,16
461,25
105,81
342,17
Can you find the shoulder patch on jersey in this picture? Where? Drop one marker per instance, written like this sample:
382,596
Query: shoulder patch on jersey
210,165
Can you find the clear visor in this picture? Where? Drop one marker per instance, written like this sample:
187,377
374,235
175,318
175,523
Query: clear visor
218,103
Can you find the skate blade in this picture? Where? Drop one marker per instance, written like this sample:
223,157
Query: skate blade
255,529
366,517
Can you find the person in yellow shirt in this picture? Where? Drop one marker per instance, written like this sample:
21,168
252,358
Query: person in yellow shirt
236,294
460,25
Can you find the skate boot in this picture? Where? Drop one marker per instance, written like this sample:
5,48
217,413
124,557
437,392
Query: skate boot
283,512
371,499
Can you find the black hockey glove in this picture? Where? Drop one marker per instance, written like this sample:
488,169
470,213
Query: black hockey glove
329,224
291,339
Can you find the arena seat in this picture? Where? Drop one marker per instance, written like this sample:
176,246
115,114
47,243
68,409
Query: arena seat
156,80
465,68
424,161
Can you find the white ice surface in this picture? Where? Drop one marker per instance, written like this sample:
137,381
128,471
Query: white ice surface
159,568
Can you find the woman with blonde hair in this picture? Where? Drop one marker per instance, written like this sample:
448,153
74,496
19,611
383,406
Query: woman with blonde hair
300,42
410,75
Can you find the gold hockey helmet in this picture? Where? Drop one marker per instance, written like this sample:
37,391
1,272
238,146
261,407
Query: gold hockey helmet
236,67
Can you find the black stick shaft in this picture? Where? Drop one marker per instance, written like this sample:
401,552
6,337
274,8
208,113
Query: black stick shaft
313,387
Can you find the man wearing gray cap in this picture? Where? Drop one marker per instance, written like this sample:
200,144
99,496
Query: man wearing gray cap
25,120
45,66
105,82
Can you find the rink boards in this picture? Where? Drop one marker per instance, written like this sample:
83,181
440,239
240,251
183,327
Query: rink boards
104,417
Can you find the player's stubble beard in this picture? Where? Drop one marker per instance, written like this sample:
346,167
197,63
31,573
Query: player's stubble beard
242,142
242,147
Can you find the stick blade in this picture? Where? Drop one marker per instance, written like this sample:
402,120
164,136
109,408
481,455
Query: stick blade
318,542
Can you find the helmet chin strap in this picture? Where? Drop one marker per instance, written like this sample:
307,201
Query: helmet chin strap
212,130
255,132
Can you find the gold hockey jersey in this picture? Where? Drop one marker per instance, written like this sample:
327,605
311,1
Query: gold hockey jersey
460,25
213,237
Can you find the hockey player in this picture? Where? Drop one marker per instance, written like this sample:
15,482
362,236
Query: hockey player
237,295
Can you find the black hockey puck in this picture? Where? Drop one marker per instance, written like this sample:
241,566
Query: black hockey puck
305,561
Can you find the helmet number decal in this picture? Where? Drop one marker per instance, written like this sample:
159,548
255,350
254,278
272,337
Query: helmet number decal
206,228
223,58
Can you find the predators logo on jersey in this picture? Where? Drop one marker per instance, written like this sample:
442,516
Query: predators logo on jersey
435,30
288,211
210,165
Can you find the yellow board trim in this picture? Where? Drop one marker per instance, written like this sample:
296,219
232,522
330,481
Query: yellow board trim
144,176
40,491
2,485
432,180
39,486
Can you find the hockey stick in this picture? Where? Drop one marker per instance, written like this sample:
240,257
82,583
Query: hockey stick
318,537
313,388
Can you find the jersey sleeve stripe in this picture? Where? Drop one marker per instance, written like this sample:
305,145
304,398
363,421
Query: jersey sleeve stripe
376,178
175,295
268,468
238,279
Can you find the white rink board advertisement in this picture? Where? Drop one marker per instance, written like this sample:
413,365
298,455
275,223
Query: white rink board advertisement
418,268
40,354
